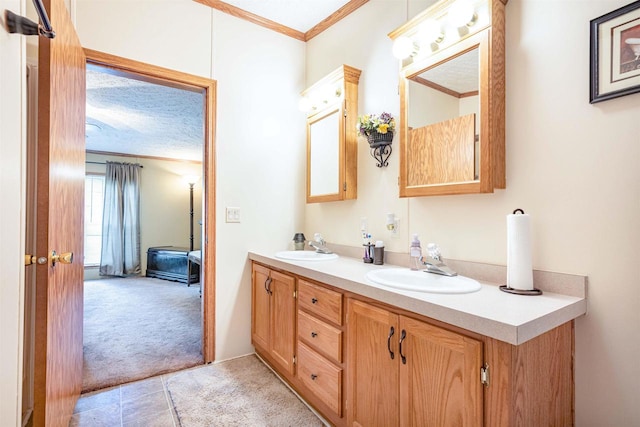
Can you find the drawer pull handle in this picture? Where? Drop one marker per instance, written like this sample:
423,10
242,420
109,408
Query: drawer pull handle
314,334
314,300
313,377
391,332
403,335
267,285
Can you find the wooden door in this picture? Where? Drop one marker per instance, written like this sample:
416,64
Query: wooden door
60,205
260,300
373,373
440,378
283,319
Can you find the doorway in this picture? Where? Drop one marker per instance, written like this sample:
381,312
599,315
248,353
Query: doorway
153,74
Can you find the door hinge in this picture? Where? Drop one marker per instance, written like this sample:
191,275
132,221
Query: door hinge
295,294
344,187
294,360
484,375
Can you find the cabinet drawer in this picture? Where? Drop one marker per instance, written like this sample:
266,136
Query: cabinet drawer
320,301
320,336
322,377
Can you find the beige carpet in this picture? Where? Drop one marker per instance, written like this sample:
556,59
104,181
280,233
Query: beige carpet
239,392
139,327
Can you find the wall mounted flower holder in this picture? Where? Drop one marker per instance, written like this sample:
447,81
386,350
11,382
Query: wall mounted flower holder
380,145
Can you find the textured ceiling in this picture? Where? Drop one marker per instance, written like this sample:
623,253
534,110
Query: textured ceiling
300,15
460,74
130,116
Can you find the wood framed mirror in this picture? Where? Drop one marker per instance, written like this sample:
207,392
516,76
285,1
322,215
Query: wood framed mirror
332,152
452,102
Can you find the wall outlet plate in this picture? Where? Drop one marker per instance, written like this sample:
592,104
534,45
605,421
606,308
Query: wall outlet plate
232,214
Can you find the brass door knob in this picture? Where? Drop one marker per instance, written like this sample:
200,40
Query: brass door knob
64,258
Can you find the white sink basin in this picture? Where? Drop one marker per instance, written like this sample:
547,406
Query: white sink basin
305,256
419,281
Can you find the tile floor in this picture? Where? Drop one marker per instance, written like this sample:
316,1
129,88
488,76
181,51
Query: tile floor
141,403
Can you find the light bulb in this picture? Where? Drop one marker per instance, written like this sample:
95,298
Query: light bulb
430,31
462,13
404,47
304,104
327,94
190,179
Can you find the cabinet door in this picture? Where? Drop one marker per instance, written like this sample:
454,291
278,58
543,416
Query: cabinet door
283,319
260,307
439,377
373,373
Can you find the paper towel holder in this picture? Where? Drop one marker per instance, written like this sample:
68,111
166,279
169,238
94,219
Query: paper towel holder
509,290
534,291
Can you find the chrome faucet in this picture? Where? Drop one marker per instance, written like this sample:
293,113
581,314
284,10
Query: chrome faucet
433,262
319,244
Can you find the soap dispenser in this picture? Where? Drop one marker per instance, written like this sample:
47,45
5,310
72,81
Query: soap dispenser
415,254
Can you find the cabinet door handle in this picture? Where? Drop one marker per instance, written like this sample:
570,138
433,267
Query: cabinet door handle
391,332
314,334
314,300
403,335
313,377
267,285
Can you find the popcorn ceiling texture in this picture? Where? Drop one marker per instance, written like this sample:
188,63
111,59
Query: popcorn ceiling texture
136,117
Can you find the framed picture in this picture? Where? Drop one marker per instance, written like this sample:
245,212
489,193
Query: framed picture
615,53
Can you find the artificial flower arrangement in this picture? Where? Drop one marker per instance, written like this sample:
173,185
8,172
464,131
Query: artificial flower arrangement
372,123
376,128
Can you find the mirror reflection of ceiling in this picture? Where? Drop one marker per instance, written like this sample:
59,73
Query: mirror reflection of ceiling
460,74
134,117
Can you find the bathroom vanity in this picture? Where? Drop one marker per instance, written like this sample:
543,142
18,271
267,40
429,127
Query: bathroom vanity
362,354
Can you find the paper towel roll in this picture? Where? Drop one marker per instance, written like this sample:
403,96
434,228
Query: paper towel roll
519,269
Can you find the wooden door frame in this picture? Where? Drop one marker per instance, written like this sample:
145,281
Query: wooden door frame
180,80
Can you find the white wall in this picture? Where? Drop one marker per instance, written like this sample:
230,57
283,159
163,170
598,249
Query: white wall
368,49
259,135
573,166
12,187
261,161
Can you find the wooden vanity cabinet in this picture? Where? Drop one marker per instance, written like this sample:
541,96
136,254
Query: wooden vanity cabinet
273,317
405,372
320,348
342,345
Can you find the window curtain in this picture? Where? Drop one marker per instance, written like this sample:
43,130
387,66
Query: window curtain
120,255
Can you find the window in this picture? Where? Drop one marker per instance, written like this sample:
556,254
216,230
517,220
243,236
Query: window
93,207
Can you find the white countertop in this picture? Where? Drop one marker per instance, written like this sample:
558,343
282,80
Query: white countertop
510,318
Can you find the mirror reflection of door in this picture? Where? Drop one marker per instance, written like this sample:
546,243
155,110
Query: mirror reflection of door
444,118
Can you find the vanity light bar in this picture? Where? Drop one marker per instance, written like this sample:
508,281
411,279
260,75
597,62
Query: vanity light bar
328,91
320,98
442,24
